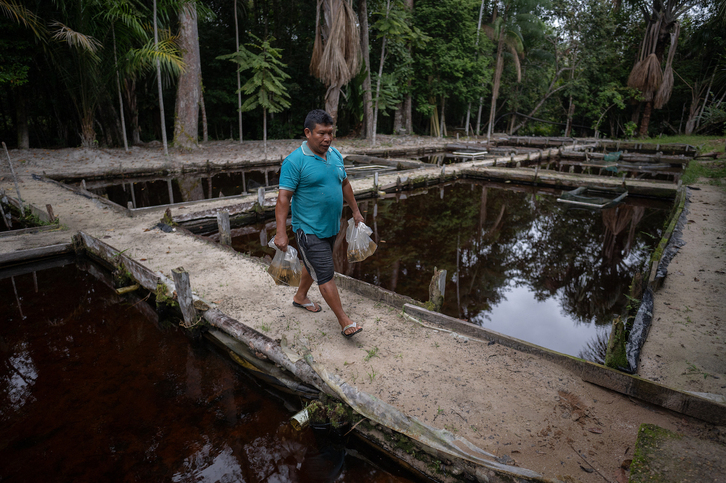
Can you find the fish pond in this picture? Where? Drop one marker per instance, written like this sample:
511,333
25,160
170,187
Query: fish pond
94,387
518,262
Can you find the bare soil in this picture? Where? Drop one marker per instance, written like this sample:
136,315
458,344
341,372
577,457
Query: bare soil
527,411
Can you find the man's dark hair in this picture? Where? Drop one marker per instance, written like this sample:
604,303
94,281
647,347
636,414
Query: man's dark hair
317,116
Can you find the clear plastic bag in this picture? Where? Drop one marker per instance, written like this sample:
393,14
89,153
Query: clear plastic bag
285,268
360,245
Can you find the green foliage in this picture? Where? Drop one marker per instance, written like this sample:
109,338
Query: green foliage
265,87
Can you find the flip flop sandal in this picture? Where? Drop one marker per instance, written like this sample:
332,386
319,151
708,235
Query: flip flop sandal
348,336
305,306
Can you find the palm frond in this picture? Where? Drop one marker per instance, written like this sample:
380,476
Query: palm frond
336,59
646,76
20,14
77,40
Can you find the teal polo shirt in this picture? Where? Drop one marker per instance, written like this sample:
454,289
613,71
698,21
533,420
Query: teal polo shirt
317,184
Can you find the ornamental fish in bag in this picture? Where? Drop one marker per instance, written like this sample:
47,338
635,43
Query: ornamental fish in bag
360,245
285,268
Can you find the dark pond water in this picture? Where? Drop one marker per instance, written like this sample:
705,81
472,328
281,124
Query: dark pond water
193,187
518,262
94,388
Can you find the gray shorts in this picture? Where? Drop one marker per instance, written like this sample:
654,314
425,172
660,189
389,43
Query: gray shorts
317,255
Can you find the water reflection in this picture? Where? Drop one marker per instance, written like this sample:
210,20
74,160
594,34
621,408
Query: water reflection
518,262
96,388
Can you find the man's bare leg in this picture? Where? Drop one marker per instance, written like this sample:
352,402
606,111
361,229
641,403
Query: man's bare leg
330,293
301,296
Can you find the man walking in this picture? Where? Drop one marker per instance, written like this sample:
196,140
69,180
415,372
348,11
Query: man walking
314,182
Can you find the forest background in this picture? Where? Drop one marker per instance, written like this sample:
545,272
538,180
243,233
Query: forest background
85,72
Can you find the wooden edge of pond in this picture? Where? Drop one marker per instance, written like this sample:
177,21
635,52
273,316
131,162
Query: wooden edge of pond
654,281
265,356
29,254
649,391
31,230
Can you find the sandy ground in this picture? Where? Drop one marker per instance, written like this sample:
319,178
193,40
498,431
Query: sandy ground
527,411
686,345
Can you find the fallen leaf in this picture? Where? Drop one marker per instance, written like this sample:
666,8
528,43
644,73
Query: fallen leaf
595,430
142,259
586,470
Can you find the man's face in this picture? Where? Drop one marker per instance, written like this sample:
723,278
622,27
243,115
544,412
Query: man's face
319,138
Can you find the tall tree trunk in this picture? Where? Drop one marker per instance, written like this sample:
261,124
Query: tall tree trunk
186,119
495,87
570,112
21,113
645,120
239,85
331,102
264,129
88,134
130,97
408,100
162,120
118,87
365,49
442,129
398,119
380,74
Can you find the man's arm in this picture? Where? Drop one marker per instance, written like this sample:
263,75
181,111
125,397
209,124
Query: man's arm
282,208
349,198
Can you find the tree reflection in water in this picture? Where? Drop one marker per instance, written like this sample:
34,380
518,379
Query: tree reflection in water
517,260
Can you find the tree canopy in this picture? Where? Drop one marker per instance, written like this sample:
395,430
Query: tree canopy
547,67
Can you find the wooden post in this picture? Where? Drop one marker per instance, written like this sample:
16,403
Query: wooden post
133,195
130,205
49,209
184,296
225,235
437,288
244,183
375,180
15,179
267,180
83,185
261,196
171,192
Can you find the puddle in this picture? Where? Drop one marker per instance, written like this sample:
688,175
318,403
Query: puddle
518,262
94,388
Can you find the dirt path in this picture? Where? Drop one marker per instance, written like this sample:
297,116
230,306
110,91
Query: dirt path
527,411
686,345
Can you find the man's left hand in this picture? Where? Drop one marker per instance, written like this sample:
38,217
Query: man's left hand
358,218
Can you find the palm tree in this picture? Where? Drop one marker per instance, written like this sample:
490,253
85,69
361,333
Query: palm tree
662,28
506,27
336,51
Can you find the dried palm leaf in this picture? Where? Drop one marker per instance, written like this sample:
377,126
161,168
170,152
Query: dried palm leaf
646,76
75,39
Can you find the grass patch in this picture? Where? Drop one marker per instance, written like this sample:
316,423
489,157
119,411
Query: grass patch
705,144
713,171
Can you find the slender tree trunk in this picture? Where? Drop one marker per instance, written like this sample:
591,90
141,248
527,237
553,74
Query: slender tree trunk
645,120
378,83
186,119
118,87
408,100
130,95
205,129
398,119
468,107
570,112
365,49
158,82
442,129
88,134
21,116
239,85
495,87
264,129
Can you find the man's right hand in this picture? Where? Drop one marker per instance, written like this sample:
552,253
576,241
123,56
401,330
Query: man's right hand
281,241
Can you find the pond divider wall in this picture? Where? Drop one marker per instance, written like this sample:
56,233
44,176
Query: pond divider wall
252,350
648,391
